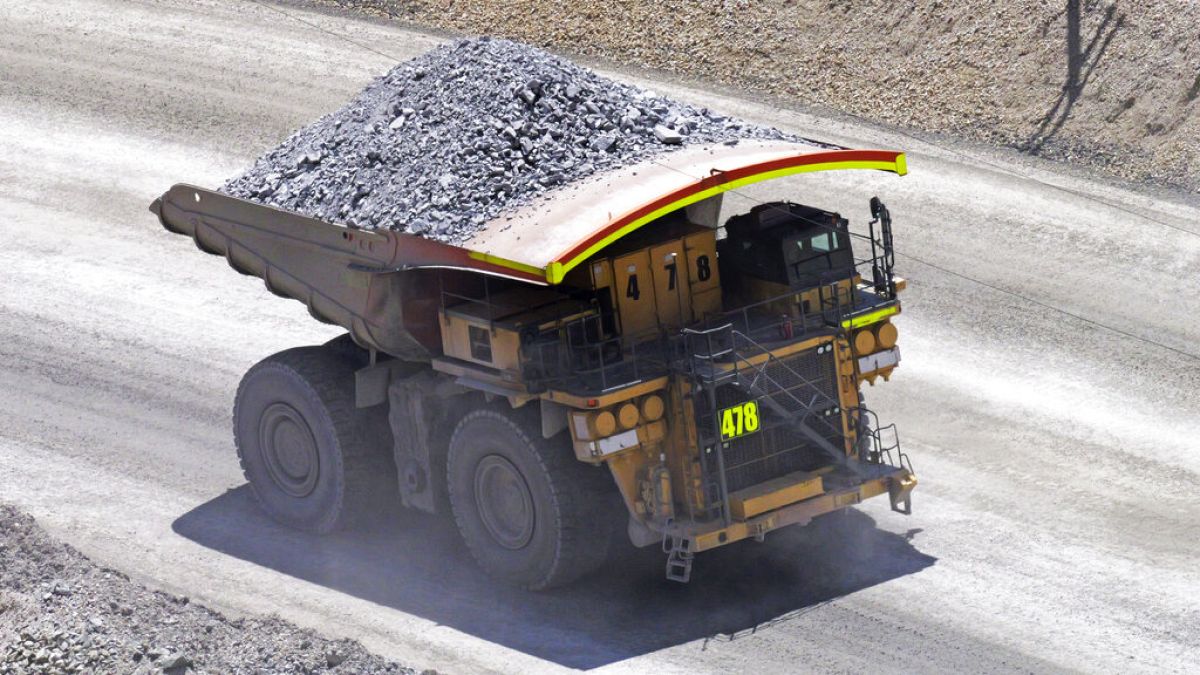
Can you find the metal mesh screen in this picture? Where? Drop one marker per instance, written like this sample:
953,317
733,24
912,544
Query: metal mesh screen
778,448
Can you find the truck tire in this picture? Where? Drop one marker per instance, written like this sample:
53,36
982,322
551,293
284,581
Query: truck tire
302,445
344,347
530,513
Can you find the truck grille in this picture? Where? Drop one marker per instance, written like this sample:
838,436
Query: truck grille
778,448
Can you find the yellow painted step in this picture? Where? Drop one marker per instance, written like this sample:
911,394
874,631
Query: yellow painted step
788,489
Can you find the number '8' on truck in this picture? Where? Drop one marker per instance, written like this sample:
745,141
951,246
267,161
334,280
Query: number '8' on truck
613,360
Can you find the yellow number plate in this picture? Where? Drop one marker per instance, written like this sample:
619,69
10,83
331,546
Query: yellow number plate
739,420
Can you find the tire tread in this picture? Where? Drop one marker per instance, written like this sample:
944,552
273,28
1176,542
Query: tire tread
330,379
579,493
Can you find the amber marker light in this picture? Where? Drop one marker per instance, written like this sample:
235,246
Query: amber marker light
653,408
604,423
627,416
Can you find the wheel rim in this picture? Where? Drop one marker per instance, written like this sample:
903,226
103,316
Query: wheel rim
289,450
504,503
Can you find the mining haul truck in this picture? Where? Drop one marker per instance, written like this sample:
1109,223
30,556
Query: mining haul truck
608,362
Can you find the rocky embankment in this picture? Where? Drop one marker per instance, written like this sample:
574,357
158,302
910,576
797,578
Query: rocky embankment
61,613
1108,84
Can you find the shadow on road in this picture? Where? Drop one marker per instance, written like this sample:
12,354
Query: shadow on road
416,564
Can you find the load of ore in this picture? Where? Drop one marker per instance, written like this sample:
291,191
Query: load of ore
451,139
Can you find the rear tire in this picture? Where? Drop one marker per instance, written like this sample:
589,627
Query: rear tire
530,513
305,450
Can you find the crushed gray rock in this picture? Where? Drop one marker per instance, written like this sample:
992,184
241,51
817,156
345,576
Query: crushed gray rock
335,658
667,135
107,624
451,139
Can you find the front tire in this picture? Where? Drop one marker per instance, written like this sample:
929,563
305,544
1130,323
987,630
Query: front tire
301,445
530,513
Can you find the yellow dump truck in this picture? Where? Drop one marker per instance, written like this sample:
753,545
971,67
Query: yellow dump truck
608,358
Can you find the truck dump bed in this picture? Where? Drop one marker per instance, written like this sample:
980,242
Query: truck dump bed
380,285
367,282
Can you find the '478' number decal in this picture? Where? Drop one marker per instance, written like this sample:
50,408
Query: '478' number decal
739,420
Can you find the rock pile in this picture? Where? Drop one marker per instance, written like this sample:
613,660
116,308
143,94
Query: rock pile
449,140
60,613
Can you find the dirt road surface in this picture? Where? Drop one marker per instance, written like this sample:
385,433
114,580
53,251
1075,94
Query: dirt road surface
1056,525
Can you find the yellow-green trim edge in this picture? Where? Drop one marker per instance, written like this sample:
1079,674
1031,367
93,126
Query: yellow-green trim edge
556,271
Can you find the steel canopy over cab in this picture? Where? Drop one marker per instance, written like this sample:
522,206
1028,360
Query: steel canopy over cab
551,236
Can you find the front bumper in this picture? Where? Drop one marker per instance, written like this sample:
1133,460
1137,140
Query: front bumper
897,483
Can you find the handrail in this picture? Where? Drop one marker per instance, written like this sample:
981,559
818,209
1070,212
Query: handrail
880,452
760,372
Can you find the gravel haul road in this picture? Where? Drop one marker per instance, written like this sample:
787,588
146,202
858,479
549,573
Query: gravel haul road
1056,526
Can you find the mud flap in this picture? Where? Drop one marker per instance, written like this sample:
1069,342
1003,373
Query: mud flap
900,492
679,558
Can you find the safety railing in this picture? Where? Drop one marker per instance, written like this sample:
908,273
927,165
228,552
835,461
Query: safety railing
878,444
583,356
753,366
